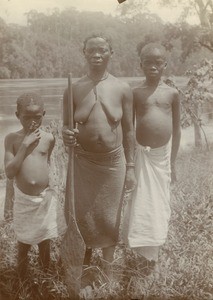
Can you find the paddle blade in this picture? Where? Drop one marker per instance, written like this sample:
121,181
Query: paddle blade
72,247
72,254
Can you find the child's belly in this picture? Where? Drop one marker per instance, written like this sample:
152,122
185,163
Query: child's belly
154,129
33,177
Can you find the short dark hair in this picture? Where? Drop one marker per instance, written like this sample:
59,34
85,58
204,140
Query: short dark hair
29,98
97,35
151,46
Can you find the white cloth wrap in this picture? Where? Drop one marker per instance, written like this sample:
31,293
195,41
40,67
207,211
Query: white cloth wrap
37,218
147,214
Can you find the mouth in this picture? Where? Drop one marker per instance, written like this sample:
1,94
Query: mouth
98,62
154,73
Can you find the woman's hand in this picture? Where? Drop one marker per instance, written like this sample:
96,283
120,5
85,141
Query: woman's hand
130,181
69,136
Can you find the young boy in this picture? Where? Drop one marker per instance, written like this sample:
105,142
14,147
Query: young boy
36,213
157,114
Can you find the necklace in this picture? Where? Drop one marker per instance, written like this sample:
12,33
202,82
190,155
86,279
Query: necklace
101,79
95,82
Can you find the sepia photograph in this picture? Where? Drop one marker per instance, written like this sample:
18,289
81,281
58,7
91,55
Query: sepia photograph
106,149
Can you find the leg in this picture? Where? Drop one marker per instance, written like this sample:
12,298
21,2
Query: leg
87,277
87,256
108,253
8,207
23,259
108,257
148,256
44,254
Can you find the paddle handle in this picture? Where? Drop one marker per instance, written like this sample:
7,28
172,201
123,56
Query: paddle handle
71,149
70,102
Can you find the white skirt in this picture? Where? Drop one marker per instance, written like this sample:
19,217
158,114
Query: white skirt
147,214
37,218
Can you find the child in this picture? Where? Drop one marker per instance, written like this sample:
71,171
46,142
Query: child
157,113
36,213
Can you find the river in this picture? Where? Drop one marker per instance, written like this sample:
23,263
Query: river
52,92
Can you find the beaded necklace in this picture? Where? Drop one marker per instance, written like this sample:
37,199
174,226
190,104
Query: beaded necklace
95,83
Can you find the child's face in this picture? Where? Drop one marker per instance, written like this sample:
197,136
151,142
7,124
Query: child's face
153,64
31,116
97,52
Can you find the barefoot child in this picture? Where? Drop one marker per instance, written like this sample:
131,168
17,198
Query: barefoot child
36,213
157,114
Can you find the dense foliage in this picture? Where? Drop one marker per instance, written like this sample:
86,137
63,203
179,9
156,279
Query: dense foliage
50,45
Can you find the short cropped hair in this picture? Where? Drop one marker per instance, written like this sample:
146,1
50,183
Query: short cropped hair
29,98
93,36
151,46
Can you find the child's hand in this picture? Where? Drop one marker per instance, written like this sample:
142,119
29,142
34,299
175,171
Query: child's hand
33,126
32,137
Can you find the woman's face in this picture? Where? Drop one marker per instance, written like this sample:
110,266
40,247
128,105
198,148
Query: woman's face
97,52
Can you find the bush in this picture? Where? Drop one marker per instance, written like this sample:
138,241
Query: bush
4,73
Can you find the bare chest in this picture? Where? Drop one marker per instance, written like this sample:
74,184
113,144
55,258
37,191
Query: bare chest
37,149
158,100
98,100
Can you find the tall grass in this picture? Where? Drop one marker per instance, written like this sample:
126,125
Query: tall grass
185,266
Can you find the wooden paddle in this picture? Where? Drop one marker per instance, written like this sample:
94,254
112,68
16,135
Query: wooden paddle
73,247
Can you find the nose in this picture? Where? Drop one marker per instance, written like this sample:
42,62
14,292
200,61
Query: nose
96,54
153,67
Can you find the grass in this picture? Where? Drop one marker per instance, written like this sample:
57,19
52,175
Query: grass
185,266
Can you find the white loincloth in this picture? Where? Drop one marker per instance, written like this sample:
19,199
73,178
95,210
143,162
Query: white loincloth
147,214
37,218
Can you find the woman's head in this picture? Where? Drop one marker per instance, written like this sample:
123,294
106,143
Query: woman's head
97,51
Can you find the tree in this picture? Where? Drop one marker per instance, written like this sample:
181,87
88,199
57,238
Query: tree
192,39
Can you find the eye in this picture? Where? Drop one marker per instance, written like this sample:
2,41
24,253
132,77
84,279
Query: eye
91,51
103,50
37,117
147,62
159,63
26,118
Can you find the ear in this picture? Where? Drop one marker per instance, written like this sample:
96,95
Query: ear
141,65
165,65
112,52
17,114
44,112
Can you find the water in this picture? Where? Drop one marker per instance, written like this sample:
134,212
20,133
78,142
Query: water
51,91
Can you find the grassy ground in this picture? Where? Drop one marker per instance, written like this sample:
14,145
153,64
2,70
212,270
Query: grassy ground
185,266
